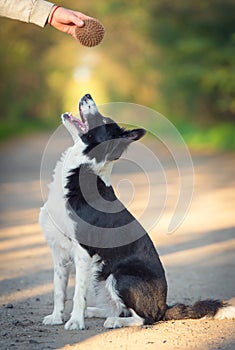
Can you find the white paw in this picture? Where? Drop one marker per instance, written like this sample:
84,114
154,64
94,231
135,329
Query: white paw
74,324
53,319
112,322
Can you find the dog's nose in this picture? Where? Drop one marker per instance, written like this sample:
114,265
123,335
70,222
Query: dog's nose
87,105
88,96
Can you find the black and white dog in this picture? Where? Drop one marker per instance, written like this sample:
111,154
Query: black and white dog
119,275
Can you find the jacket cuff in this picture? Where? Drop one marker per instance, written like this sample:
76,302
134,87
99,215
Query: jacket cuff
40,12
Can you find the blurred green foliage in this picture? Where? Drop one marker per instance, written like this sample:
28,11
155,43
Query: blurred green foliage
177,57
197,41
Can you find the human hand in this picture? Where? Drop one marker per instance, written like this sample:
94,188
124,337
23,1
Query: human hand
66,20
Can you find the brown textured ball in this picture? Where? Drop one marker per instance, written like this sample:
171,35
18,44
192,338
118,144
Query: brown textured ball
91,34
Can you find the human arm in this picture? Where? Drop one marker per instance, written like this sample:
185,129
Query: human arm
30,11
39,11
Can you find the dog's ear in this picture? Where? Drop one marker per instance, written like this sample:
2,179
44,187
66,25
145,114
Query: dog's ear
133,135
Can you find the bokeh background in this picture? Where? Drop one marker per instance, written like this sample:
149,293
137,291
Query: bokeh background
177,57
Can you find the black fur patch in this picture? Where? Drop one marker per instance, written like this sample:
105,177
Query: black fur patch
107,141
90,200
102,220
136,267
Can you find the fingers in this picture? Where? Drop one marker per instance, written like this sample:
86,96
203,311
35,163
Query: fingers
76,20
66,20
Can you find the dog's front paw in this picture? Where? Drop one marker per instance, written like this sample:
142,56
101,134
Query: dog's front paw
74,324
113,322
53,319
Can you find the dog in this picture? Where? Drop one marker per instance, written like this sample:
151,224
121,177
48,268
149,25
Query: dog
119,275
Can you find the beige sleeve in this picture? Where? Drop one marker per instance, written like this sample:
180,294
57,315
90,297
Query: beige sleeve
30,11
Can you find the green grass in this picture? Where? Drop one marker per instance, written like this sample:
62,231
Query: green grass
218,137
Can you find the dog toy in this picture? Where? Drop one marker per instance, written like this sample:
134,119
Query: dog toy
91,34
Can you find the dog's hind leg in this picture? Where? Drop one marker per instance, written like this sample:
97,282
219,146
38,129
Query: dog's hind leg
118,322
115,321
101,301
61,274
143,294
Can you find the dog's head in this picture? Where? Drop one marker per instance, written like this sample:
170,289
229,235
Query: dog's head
103,139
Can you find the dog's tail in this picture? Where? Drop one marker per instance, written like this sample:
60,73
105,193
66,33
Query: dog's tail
215,309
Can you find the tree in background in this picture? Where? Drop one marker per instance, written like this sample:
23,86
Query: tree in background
34,66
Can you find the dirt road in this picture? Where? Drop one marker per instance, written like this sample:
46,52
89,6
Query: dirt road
199,257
